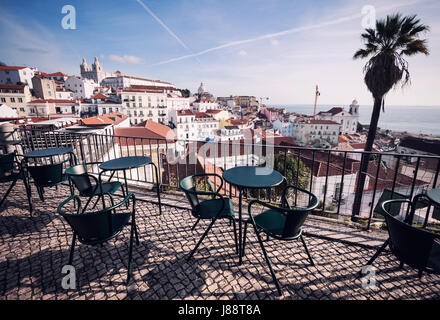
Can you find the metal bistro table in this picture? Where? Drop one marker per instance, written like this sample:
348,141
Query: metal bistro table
51,152
250,177
127,163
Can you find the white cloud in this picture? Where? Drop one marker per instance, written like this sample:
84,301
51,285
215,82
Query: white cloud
242,53
125,59
308,28
274,42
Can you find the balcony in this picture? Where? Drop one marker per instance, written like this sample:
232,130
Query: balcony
160,271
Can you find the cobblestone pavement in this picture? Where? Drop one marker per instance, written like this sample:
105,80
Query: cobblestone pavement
34,250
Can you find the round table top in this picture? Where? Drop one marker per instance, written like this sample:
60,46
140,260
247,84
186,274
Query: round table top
124,163
49,152
434,195
253,177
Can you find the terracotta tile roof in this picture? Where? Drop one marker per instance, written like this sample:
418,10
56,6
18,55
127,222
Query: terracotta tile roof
237,122
57,74
333,111
184,112
321,122
105,119
52,101
146,129
213,111
12,86
385,177
357,146
99,96
199,115
11,68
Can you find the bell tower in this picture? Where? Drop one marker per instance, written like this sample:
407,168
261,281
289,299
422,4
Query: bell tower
354,108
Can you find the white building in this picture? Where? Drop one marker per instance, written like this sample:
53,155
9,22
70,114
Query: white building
184,124
230,133
206,126
124,81
44,108
16,75
15,96
81,87
285,128
176,101
63,93
316,131
145,103
347,119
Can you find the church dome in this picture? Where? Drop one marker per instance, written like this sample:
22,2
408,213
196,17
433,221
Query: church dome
202,88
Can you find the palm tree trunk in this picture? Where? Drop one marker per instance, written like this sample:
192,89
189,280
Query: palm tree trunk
365,157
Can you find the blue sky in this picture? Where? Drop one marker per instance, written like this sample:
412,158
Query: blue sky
278,49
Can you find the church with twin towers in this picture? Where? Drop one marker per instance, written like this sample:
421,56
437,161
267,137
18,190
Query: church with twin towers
95,73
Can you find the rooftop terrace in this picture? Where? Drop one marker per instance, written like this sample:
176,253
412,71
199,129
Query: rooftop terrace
34,250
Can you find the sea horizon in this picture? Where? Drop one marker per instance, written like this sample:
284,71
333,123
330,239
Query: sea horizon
411,119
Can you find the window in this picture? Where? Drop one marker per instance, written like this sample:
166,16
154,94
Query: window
12,99
3,99
20,100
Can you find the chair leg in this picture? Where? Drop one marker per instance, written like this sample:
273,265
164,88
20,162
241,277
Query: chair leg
40,193
201,239
72,248
96,202
244,238
268,260
29,195
7,192
87,203
307,250
374,257
158,189
232,220
195,224
130,251
136,233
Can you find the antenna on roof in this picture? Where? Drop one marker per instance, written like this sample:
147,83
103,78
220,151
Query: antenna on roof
316,100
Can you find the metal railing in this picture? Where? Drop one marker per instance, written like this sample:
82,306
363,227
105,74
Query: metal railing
330,174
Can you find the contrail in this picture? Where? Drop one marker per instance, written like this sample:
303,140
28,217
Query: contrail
282,33
164,25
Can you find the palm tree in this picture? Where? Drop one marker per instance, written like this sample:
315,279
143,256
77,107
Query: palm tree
393,38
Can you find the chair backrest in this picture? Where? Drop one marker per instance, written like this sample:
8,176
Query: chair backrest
411,245
394,209
7,163
99,226
188,186
47,175
79,177
295,218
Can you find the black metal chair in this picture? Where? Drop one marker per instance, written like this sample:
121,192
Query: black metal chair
281,223
212,209
96,228
82,180
44,176
10,171
416,247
